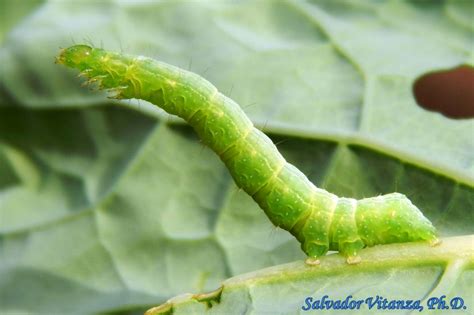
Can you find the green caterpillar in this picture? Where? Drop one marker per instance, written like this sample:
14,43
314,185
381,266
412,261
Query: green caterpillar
320,221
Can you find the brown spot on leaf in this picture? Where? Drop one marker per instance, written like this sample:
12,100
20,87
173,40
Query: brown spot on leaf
450,92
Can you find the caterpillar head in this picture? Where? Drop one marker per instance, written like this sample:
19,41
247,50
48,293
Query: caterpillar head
78,56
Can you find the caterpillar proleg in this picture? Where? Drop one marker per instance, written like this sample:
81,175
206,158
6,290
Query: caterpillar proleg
320,220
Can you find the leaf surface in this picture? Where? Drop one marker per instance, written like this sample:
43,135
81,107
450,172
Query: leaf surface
385,271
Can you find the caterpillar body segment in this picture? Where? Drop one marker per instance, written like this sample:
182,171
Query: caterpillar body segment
320,221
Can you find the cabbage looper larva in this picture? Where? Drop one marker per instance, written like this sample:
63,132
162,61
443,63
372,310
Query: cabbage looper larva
321,221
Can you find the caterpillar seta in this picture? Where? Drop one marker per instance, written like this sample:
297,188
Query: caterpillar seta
320,220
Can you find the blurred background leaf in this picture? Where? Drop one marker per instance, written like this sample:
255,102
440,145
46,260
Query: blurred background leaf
108,206
13,12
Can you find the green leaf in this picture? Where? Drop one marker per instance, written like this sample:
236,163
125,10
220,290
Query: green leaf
447,269
11,13
115,206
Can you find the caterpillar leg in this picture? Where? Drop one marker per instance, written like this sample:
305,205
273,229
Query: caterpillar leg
314,251
350,251
353,260
344,233
435,242
312,261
